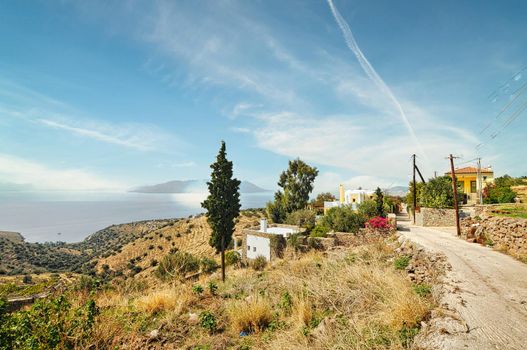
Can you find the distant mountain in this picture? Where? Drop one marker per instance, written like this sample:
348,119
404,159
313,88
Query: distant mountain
191,186
397,191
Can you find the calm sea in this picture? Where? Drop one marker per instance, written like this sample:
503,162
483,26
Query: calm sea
70,217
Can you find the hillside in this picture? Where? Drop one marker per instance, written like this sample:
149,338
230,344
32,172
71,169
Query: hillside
188,235
115,245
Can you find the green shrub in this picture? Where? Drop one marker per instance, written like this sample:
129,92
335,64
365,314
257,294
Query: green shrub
368,209
232,257
259,263
213,288
304,218
48,324
208,265
27,279
423,289
314,243
286,302
402,262
277,245
197,289
438,193
177,264
343,219
319,231
207,320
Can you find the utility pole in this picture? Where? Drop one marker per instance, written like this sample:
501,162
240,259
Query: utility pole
454,185
415,188
480,183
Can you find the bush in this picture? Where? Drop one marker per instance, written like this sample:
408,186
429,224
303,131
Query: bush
48,324
197,289
423,289
208,265
177,264
378,222
27,279
368,209
343,219
304,218
438,193
208,321
319,231
232,258
259,263
493,195
278,244
213,288
402,262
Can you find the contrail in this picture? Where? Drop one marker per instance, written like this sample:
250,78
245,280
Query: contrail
371,73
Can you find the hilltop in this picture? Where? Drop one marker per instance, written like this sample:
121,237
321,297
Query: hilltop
192,186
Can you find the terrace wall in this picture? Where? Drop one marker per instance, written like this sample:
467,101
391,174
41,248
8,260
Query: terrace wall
432,217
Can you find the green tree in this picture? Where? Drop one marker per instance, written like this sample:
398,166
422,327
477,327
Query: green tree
323,197
438,193
379,201
343,219
296,183
222,204
368,209
304,218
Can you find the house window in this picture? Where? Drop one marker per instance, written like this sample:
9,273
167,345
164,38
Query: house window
248,248
254,249
473,188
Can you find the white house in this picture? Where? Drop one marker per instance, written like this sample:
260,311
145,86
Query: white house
257,241
349,197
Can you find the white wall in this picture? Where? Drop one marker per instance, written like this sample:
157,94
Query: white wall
258,246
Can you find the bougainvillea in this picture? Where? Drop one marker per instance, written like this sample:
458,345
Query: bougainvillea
378,222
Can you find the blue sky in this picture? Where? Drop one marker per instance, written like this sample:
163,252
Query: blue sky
113,94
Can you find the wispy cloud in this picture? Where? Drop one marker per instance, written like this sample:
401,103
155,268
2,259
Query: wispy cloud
42,177
370,71
187,164
127,136
19,102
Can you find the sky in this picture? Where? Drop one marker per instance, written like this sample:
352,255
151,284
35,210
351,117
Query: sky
108,95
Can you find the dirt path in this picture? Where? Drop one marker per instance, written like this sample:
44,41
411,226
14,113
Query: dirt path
486,288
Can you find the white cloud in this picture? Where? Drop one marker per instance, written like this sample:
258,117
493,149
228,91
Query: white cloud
23,171
138,137
330,181
188,164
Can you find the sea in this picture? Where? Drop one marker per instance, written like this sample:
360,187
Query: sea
72,216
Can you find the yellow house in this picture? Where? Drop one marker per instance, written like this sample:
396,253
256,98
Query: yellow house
468,184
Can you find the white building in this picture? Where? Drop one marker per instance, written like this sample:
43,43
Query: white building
258,241
349,197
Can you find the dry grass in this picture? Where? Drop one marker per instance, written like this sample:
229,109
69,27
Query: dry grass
347,299
250,316
170,300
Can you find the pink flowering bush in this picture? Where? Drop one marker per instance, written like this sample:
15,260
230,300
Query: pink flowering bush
378,222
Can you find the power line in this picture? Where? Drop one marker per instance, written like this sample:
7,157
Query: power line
495,92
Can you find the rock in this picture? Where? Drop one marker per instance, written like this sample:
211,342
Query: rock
324,327
193,318
154,334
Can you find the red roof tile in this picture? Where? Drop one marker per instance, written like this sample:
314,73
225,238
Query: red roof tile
471,170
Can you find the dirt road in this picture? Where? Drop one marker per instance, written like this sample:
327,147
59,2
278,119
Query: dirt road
487,289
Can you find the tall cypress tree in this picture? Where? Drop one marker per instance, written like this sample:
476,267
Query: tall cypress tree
222,204
379,199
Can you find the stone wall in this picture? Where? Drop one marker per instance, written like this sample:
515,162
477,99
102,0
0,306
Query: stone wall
502,233
432,217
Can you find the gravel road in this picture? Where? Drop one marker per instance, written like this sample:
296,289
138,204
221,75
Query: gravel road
486,288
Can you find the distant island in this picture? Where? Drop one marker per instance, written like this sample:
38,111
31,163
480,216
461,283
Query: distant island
192,186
